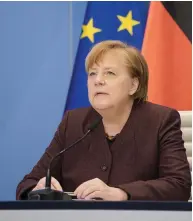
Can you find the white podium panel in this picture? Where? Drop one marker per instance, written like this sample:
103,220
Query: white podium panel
94,215
95,211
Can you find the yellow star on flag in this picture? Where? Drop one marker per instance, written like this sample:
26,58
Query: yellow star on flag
89,30
127,23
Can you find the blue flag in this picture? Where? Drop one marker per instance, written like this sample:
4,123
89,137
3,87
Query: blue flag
125,21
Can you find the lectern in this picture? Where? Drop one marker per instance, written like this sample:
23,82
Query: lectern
95,211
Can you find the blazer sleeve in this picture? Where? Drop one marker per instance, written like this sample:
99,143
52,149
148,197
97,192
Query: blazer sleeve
39,171
174,182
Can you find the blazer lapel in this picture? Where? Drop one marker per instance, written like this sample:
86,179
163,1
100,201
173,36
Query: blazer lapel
125,141
98,147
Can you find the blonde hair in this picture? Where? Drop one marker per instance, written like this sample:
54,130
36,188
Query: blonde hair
135,62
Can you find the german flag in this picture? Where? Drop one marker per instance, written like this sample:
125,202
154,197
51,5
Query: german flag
167,48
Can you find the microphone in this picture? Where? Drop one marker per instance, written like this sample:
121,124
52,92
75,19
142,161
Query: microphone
48,193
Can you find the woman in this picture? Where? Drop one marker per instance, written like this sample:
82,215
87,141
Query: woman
136,151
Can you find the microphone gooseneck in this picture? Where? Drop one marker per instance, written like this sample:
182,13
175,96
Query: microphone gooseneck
48,193
48,175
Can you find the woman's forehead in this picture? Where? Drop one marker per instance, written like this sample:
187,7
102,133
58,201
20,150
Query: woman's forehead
109,60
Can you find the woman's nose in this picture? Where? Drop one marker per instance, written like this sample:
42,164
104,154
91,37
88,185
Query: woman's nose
100,80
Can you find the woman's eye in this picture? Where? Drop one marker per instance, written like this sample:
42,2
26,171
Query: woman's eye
110,73
91,73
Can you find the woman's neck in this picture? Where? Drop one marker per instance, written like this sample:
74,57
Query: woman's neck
114,119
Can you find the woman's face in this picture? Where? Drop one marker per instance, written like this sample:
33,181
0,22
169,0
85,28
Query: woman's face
109,83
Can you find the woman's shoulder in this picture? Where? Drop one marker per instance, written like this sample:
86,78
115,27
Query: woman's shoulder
80,118
157,112
78,112
156,108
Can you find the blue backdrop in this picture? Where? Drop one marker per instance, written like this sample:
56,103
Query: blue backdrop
38,43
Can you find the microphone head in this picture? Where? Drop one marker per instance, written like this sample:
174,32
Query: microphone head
95,124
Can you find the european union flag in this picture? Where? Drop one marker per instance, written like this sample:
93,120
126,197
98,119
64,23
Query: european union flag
125,21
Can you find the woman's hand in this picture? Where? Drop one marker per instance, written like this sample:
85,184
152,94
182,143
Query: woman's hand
55,185
96,188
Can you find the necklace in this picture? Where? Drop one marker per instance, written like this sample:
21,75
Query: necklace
110,137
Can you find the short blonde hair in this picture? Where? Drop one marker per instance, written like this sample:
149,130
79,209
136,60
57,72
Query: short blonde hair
136,63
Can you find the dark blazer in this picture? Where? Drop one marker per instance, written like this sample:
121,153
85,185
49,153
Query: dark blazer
147,159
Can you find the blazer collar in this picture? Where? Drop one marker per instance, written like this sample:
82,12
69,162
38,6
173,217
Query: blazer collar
127,135
94,117
125,141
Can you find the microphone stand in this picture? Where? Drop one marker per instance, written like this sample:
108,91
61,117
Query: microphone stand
48,193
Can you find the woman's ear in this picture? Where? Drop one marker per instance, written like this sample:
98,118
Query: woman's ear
134,86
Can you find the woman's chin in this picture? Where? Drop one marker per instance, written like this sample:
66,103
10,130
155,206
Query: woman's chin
101,105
